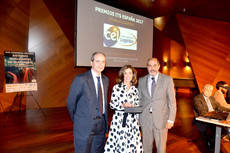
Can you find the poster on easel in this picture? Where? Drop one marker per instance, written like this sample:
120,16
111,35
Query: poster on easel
20,71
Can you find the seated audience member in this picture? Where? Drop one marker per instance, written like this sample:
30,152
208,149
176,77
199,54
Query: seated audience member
228,96
220,94
204,103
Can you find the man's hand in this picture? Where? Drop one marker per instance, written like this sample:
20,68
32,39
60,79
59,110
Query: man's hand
169,125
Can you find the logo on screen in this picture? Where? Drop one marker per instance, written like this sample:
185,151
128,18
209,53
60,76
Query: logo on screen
119,37
111,36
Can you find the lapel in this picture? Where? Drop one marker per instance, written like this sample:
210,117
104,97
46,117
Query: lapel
204,103
146,87
103,82
211,101
91,84
158,84
105,86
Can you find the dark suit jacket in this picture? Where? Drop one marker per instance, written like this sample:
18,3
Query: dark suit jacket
82,105
201,107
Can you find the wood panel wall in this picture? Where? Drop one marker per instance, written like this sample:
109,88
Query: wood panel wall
54,58
41,31
208,44
167,49
14,26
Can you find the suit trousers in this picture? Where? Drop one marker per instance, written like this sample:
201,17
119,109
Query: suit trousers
151,134
96,138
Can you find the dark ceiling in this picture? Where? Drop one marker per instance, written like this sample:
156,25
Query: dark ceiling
64,12
167,9
211,9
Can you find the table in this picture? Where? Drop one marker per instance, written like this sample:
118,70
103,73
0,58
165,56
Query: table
219,125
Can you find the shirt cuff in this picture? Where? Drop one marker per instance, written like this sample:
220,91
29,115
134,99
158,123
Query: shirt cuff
170,121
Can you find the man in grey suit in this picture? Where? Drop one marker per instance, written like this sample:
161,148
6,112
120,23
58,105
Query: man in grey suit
157,96
87,106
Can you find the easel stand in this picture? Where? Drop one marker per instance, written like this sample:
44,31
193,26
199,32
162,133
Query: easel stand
18,99
36,102
19,96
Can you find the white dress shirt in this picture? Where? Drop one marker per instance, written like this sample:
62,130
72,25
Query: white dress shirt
210,108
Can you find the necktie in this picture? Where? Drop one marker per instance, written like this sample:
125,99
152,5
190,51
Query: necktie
99,95
153,86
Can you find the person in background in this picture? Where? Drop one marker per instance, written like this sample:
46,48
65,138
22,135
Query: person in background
220,94
228,96
87,106
157,97
124,134
204,103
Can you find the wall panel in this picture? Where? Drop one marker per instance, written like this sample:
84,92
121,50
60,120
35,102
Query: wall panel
208,44
54,57
14,19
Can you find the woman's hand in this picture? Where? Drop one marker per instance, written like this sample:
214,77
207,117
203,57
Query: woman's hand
127,104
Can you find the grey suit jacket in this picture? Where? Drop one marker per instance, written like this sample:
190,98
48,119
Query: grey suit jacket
163,101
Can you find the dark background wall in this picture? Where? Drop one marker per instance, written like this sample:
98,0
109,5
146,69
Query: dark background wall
46,27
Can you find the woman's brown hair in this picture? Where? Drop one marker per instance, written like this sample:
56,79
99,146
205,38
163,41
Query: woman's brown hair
121,74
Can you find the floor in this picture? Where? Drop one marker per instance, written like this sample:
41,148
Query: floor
50,131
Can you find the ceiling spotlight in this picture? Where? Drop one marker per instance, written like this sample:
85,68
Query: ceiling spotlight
184,9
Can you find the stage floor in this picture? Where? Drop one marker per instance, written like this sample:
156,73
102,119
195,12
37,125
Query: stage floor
50,131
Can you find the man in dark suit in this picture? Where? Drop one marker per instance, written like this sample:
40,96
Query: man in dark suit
204,103
87,106
157,96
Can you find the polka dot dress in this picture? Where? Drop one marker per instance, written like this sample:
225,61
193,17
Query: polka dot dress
125,139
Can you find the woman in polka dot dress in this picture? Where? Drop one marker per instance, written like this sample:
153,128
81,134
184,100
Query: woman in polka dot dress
124,134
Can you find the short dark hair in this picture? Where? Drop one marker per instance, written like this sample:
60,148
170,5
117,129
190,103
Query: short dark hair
94,54
152,58
121,74
220,84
